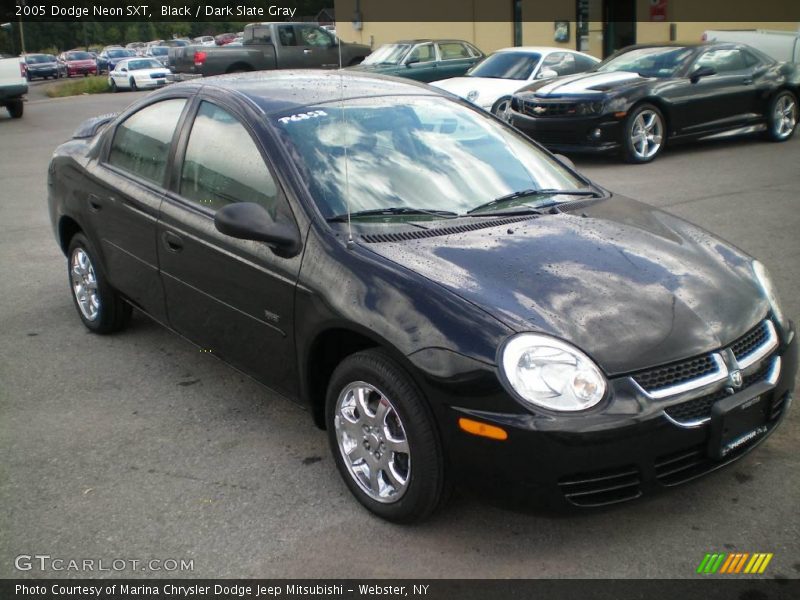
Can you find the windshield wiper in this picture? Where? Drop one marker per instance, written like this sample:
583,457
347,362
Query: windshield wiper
527,193
391,211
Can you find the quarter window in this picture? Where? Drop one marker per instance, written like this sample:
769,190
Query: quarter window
141,143
223,165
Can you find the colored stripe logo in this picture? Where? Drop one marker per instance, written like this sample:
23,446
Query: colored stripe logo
734,563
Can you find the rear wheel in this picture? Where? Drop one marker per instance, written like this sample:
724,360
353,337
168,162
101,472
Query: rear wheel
113,85
100,308
644,134
383,438
15,108
782,116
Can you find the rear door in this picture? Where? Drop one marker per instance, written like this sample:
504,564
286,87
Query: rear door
454,59
319,47
234,298
123,198
291,53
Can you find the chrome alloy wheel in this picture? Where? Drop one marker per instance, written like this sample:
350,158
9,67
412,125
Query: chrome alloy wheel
84,284
784,116
373,442
647,134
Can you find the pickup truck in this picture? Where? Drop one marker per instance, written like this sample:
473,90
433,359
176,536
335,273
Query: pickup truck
783,46
267,46
13,85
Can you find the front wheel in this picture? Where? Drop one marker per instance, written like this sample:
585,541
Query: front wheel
644,134
383,438
501,106
112,84
100,308
133,85
782,116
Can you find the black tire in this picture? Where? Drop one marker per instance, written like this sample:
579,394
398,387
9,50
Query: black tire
113,313
782,127
113,86
16,108
630,152
426,486
133,85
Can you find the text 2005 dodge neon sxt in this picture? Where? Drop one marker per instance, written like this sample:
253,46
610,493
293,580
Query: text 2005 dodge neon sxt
450,300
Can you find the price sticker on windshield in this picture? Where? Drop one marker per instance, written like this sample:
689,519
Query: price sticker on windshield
314,114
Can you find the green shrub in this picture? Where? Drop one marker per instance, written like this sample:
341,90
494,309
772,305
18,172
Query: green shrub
86,85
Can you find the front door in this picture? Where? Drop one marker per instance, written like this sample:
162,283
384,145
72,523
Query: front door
234,298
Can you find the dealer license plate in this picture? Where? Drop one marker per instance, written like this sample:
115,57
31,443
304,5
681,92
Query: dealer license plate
736,425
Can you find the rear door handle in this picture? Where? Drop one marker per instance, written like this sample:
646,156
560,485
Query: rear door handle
94,203
172,241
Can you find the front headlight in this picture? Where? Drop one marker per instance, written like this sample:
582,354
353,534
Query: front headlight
472,96
764,280
550,373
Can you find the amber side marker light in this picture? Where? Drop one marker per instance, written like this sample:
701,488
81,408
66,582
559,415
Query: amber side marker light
620,115
482,429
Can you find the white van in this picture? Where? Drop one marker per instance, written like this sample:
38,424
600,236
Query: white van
780,45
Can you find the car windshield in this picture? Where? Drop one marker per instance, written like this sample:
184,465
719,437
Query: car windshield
388,54
79,56
507,65
39,58
120,53
159,50
413,152
144,63
649,62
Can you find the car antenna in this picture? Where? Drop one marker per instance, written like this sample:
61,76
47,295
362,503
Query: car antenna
350,242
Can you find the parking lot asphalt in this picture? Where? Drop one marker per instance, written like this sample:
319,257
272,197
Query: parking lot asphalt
137,446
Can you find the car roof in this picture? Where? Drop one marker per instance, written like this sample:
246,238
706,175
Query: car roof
428,41
542,50
279,91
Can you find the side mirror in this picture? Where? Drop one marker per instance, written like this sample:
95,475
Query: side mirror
701,72
123,70
547,74
251,221
412,61
565,161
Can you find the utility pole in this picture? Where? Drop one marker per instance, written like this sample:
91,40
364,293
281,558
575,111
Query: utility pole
21,29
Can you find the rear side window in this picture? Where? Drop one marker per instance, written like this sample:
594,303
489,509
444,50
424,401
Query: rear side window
453,50
141,143
223,165
286,35
259,34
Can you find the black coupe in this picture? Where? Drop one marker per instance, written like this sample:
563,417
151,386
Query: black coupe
642,97
451,301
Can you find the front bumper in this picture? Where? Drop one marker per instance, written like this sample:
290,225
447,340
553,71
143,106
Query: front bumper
571,134
624,449
81,71
53,72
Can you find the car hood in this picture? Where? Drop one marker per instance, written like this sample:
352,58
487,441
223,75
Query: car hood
489,89
632,286
584,83
81,63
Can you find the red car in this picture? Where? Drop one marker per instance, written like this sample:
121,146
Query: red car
79,63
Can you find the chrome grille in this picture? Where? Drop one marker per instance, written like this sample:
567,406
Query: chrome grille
676,373
750,341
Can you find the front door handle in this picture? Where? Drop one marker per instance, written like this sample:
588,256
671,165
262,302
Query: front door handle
306,51
172,241
94,203
748,81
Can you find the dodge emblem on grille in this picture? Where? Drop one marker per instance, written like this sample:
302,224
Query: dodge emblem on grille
736,379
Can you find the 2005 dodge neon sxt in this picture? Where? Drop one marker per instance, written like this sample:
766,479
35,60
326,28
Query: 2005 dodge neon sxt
449,299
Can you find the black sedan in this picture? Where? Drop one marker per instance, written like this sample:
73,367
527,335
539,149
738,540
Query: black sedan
643,97
449,300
